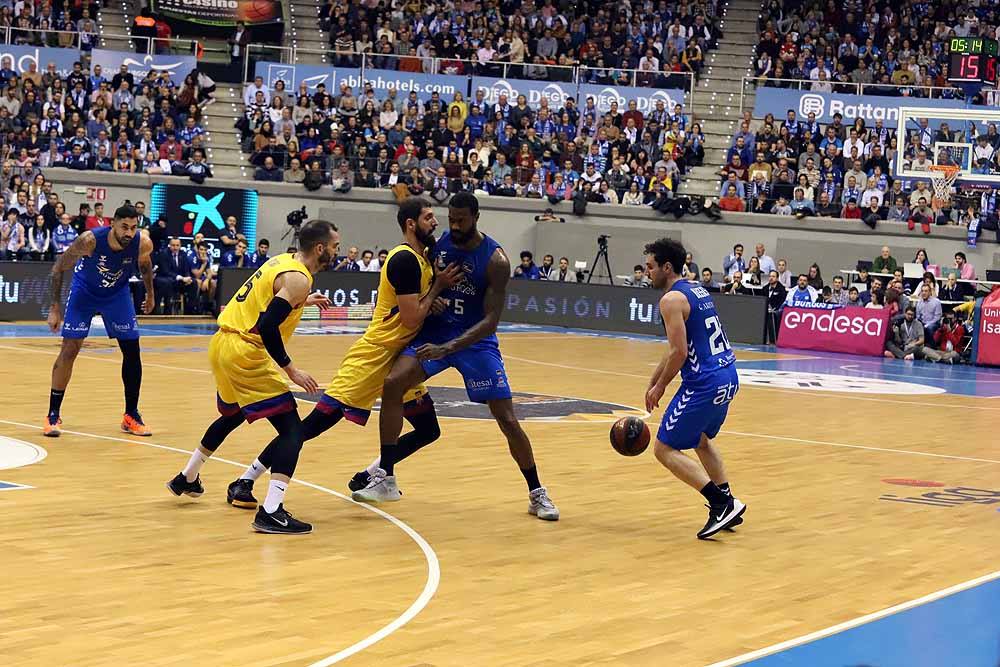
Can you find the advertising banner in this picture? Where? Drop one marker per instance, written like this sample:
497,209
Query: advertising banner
851,330
534,91
986,341
599,307
22,56
192,209
424,84
139,64
311,75
220,12
646,98
24,290
867,107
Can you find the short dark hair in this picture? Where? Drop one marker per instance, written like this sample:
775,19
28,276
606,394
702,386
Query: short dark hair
853,289
910,309
465,200
667,250
265,242
638,267
126,211
962,255
526,254
315,231
410,209
803,275
738,245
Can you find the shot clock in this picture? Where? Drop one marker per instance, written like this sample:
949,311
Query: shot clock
974,60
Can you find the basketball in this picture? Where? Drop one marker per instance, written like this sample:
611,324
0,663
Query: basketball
630,436
257,11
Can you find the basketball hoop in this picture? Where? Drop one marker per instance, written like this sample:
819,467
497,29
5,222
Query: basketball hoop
943,177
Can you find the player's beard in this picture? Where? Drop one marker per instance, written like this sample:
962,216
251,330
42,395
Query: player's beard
427,239
460,237
123,242
325,259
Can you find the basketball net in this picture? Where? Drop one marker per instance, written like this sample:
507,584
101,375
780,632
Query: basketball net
943,177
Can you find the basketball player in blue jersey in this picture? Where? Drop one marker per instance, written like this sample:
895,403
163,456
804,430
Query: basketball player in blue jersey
102,260
700,352
462,336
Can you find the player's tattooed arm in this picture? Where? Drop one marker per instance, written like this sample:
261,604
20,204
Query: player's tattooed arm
146,270
83,246
497,277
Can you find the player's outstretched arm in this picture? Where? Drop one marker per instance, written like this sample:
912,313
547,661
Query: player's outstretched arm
497,277
146,270
672,307
291,290
82,246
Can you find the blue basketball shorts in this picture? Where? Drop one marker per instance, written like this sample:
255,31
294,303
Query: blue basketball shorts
481,367
117,311
698,408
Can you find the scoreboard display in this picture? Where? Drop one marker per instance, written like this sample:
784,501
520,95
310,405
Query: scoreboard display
974,60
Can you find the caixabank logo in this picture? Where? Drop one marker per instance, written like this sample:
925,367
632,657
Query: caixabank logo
939,494
454,402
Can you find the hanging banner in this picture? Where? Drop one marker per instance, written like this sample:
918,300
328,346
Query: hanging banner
139,65
18,58
534,91
220,12
850,329
645,98
422,84
311,75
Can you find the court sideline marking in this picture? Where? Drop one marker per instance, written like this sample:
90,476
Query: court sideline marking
433,565
861,620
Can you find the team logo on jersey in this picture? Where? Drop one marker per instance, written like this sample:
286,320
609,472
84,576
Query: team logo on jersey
454,402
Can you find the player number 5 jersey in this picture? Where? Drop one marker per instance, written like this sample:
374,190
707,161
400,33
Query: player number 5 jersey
252,299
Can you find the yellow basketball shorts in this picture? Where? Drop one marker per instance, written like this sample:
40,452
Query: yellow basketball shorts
358,384
246,378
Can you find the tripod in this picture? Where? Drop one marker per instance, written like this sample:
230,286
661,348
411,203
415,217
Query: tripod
602,254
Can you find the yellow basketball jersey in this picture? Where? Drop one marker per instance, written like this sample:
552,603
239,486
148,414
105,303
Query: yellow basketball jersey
244,309
386,327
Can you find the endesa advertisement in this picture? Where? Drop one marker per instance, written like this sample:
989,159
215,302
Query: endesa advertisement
851,330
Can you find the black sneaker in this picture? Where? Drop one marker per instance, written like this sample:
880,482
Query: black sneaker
279,521
722,517
179,486
359,481
240,494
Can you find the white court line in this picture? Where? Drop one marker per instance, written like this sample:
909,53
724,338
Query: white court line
816,394
861,620
433,566
873,449
145,364
969,378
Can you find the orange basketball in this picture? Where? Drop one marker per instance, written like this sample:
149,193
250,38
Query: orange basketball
257,11
630,436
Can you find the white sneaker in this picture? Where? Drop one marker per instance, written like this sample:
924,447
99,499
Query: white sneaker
541,505
381,489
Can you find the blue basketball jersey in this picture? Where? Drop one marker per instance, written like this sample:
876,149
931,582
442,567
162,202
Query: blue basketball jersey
105,271
708,349
466,299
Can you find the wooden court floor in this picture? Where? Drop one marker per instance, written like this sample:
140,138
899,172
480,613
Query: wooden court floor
102,566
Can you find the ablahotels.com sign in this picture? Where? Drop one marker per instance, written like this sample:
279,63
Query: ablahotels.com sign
870,108
851,329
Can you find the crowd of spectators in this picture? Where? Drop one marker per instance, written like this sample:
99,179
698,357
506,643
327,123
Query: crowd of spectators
893,48
617,42
104,121
437,147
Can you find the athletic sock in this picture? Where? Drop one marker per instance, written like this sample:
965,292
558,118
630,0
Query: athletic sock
724,487
194,465
531,477
254,471
55,401
374,465
387,454
275,496
714,495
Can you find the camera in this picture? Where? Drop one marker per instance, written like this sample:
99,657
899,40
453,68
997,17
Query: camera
602,241
296,218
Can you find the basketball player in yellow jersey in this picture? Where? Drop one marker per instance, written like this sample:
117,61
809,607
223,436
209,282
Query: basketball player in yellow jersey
406,293
253,330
